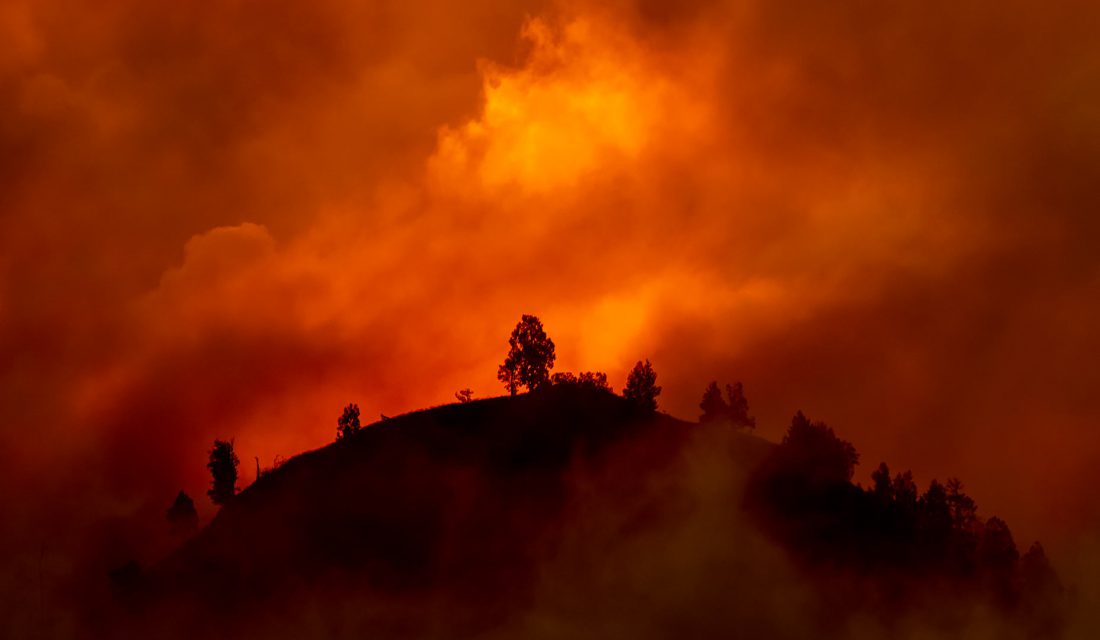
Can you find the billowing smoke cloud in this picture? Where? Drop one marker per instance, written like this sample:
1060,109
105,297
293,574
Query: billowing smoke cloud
228,222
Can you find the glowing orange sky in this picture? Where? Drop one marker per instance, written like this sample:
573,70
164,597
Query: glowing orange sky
232,220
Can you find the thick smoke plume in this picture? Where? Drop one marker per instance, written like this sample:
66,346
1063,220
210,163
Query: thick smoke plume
222,220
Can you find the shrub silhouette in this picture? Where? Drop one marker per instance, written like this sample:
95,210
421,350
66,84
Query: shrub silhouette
530,357
223,471
182,517
464,395
586,379
348,423
641,387
593,380
563,377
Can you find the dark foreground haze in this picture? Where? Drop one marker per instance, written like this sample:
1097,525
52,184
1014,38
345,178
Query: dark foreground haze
226,220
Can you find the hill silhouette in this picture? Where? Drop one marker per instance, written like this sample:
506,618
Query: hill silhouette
463,499
462,515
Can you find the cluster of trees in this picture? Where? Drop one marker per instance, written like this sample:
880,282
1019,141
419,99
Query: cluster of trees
733,409
803,493
222,462
531,356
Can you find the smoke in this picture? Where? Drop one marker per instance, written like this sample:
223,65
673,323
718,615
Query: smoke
217,221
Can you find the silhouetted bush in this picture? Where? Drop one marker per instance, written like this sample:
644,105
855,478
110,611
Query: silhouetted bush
586,379
223,471
464,395
641,387
530,357
348,422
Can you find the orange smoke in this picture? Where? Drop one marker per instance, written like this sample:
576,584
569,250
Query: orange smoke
222,223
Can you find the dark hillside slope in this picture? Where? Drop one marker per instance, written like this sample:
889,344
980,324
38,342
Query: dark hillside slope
461,499
569,513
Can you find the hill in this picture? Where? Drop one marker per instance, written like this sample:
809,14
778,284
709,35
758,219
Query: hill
567,512
463,502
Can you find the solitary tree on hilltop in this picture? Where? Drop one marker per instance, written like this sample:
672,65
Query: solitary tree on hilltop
530,357
641,386
348,423
182,517
223,471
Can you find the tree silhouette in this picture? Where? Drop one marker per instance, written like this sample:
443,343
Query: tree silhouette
713,406
996,548
735,410
1038,578
998,560
934,524
530,357
815,449
964,512
223,471
464,395
738,407
641,386
348,423
905,490
182,517
882,489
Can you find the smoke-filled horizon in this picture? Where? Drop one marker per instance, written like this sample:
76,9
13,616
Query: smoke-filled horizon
229,221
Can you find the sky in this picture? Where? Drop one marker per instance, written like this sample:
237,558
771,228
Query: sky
231,219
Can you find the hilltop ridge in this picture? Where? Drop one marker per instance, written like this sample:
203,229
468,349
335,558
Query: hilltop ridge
453,496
